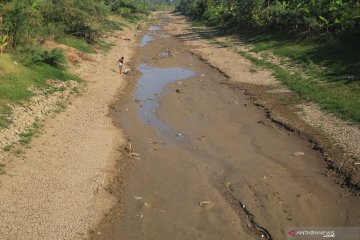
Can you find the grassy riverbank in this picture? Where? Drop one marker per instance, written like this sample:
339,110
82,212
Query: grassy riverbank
317,68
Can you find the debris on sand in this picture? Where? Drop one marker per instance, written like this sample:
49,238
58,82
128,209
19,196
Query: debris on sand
127,70
298,153
180,137
201,138
125,38
234,102
179,90
140,215
206,204
134,154
137,198
129,148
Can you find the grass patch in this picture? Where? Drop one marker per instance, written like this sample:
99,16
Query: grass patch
37,125
105,46
5,112
336,98
113,25
135,18
77,43
16,80
335,61
320,69
8,148
25,137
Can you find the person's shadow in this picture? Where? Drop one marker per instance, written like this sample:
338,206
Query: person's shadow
112,69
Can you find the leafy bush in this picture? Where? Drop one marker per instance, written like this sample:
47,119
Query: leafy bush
79,18
35,55
55,58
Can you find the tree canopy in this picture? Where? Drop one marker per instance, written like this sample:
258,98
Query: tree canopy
24,21
333,16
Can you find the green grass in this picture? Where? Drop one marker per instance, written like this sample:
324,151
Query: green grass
105,46
135,18
323,70
25,137
77,43
16,80
5,112
337,98
335,61
113,25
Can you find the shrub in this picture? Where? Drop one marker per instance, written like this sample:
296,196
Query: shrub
35,55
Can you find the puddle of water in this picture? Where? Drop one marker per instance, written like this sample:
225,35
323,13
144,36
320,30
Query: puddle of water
150,85
154,28
146,39
151,36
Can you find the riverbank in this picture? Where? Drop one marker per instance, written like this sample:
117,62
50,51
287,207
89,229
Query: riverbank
57,187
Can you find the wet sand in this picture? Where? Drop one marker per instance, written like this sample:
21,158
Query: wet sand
208,163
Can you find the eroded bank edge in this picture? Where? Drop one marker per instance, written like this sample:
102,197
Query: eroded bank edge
333,158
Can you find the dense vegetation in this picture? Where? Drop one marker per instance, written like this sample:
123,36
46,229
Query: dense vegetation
333,16
26,24
27,21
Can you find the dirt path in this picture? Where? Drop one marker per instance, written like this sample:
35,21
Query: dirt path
209,164
57,189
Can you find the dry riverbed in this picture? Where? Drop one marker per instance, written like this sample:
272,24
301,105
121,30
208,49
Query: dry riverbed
195,146
210,161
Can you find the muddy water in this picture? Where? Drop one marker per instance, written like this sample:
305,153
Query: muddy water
150,86
208,159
